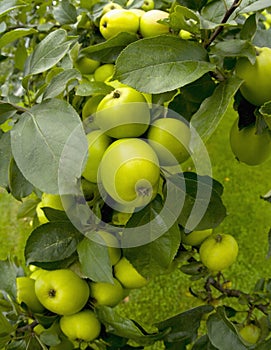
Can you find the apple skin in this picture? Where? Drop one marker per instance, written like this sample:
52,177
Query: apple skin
170,139
106,294
148,5
117,21
128,276
123,113
83,325
111,6
256,87
195,238
86,65
98,142
26,294
129,172
250,333
218,251
249,147
138,12
104,72
62,291
112,243
150,27
90,106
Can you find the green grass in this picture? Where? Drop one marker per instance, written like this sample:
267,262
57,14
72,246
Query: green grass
248,221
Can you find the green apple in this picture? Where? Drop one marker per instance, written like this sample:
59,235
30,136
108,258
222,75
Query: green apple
123,113
40,213
170,139
128,276
62,291
184,34
48,200
86,65
98,142
195,238
82,326
113,245
138,12
256,87
26,294
90,106
129,172
117,21
104,72
148,5
149,25
35,274
250,333
218,251
107,294
248,146
111,6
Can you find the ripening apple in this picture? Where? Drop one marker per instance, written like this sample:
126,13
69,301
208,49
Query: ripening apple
107,294
86,65
113,245
117,21
104,72
111,6
149,25
256,87
148,5
123,113
128,276
129,172
26,294
195,238
62,291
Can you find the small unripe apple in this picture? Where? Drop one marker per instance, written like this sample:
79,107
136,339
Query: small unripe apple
149,25
128,276
111,6
26,294
108,294
86,65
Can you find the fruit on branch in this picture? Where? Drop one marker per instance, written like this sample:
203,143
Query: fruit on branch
148,5
112,244
248,146
117,21
82,326
170,139
62,291
90,107
250,333
149,25
108,294
138,12
111,6
130,172
256,87
218,251
123,113
104,72
26,294
128,276
195,238
98,142
48,200
86,65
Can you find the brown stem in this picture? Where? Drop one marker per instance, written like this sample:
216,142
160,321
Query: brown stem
219,29
27,327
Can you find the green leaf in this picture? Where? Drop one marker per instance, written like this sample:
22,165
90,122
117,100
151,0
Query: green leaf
6,6
47,53
233,48
264,346
108,51
262,38
5,158
15,34
249,28
18,185
93,88
60,82
144,64
222,332
213,108
8,273
213,13
203,343
203,207
184,326
152,258
181,18
38,140
51,242
65,13
193,4
94,259
5,329
54,214
247,6
27,208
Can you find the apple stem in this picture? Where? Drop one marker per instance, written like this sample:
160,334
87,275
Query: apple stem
116,94
218,238
143,191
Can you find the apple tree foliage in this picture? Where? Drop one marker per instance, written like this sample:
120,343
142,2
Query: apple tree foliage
43,135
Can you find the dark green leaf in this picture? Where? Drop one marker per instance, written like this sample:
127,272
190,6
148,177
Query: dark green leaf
65,13
203,343
234,48
249,28
15,34
222,332
54,214
93,88
269,245
184,326
5,158
18,185
8,273
213,13
213,108
144,64
60,82
264,346
5,329
108,51
94,259
39,139
181,18
47,53
51,242
192,4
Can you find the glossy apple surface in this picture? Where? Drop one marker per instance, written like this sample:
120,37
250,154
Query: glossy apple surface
149,25
128,276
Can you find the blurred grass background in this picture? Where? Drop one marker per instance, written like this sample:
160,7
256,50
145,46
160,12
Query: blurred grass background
248,220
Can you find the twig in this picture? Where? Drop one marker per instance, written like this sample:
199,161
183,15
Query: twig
219,29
